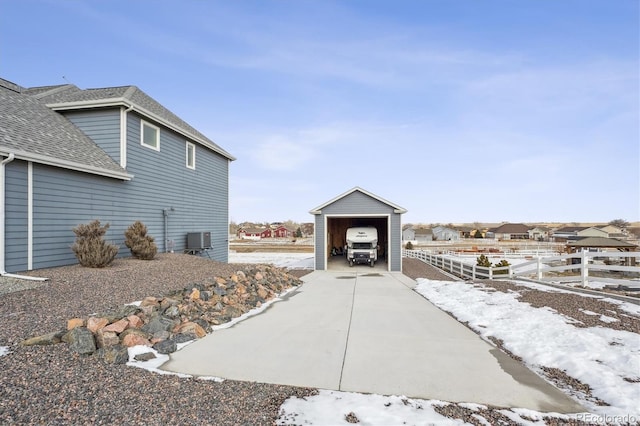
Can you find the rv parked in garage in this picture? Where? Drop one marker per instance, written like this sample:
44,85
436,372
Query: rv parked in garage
362,245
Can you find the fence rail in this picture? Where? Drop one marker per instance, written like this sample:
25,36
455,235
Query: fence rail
577,267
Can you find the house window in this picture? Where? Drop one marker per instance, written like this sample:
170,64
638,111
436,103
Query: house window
191,155
150,136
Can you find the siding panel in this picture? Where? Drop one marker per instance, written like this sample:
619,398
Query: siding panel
103,127
62,198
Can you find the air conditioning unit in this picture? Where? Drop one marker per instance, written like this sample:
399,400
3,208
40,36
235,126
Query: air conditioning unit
198,240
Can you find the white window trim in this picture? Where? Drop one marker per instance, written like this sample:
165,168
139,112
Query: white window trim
193,146
146,123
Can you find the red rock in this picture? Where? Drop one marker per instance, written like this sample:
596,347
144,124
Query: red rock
94,323
195,294
135,321
258,276
191,327
149,301
75,322
118,326
135,340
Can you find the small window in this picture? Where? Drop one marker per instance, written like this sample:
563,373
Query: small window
191,155
150,136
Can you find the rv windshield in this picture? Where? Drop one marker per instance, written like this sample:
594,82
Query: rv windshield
362,246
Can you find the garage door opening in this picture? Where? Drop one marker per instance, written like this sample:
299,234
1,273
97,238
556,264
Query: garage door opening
336,239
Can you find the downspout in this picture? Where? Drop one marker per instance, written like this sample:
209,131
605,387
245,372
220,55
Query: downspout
4,273
165,213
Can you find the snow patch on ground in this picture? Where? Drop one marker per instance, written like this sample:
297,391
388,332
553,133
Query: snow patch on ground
4,350
544,338
282,260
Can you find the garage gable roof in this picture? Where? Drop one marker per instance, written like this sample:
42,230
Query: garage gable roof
396,208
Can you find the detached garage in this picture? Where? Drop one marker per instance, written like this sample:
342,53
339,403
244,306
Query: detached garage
357,208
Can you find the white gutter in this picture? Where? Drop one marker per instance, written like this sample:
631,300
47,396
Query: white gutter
56,162
4,273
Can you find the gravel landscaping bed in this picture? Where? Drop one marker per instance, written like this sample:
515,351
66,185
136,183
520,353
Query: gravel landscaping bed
53,385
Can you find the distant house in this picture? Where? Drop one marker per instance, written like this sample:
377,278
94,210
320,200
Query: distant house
70,156
592,232
266,233
566,233
539,233
418,235
614,231
408,233
442,233
250,233
510,231
282,232
423,235
465,231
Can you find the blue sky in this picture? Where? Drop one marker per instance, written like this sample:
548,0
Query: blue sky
457,110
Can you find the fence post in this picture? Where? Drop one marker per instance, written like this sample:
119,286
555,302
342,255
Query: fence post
473,272
584,263
490,272
539,268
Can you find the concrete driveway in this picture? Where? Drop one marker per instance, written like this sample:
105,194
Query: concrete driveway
367,331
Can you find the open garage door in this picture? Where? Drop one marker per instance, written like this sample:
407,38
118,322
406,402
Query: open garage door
335,238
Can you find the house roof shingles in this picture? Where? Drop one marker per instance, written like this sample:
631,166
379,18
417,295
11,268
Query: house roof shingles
601,242
511,228
71,97
34,132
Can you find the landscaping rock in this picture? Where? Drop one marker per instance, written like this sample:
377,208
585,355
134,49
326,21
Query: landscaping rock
45,339
166,346
147,356
81,340
180,316
96,323
117,354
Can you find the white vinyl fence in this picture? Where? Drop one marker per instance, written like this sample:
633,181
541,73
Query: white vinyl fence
606,267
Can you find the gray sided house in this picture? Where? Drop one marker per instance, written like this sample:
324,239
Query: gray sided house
358,207
69,156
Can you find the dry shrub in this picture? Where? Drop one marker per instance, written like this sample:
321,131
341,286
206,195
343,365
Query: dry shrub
142,246
90,247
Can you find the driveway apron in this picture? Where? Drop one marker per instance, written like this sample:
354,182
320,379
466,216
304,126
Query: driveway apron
367,331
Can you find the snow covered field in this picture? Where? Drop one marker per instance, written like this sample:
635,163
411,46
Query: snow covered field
284,260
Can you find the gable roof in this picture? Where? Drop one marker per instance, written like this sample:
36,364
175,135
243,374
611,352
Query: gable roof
396,208
601,242
423,231
32,132
69,97
511,228
566,229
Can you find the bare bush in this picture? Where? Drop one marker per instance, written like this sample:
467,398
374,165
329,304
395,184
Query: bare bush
90,247
142,246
